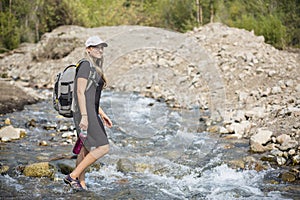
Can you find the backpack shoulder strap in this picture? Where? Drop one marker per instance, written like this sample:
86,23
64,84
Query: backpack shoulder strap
92,78
81,61
92,74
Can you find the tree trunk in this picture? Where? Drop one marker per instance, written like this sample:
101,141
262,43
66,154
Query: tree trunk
199,13
10,7
37,31
212,12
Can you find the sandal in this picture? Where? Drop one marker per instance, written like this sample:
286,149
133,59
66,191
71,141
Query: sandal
74,183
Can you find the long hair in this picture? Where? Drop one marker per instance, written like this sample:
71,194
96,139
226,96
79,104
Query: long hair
97,63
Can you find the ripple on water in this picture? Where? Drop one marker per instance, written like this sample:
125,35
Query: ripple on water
172,159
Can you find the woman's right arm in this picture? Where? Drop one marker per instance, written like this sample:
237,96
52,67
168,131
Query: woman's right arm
81,86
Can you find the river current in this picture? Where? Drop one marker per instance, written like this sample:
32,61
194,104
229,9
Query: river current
170,155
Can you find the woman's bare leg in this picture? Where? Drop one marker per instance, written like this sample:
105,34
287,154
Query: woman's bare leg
81,156
89,159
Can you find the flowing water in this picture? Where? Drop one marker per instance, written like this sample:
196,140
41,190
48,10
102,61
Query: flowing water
168,154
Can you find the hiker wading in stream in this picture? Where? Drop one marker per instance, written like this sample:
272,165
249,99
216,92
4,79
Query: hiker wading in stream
92,142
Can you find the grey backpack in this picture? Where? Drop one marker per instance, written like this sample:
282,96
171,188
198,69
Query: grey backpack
63,90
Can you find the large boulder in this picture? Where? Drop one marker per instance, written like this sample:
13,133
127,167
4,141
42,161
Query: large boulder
13,98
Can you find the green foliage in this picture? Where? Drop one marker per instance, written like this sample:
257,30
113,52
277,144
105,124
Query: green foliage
178,15
273,30
26,21
9,33
268,26
289,14
54,13
265,17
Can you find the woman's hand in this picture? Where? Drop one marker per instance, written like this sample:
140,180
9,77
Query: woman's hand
84,123
106,120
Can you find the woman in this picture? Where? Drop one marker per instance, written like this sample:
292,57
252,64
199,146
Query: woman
87,113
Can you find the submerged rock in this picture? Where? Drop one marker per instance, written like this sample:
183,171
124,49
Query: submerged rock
4,169
288,177
125,166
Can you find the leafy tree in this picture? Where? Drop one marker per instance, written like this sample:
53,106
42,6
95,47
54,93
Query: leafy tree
26,21
9,33
289,13
260,16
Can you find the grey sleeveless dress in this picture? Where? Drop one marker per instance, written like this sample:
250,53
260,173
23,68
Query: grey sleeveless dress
96,135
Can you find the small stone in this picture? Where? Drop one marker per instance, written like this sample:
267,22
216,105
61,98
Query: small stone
243,96
57,178
237,164
63,128
52,134
289,83
49,126
31,123
296,159
269,158
256,113
69,141
276,152
7,121
289,144
43,143
68,134
5,139
257,147
213,129
271,73
276,90
9,132
42,158
4,169
297,88
292,152
125,166
270,147
259,167
223,130
280,160
288,177
282,138
262,136
122,181
22,133
239,116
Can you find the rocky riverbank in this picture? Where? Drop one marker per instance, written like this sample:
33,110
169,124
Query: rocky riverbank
261,84
262,88
14,98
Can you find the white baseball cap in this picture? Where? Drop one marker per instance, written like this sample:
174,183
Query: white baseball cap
94,41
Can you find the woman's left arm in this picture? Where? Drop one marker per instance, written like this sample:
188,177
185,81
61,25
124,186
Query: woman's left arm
105,118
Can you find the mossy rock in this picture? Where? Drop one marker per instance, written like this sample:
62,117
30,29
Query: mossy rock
4,169
42,169
288,177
